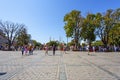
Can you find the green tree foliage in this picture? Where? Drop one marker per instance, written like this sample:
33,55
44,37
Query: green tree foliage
73,22
97,43
71,43
51,43
114,35
23,38
106,24
83,45
116,15
38,44
35,43
88,28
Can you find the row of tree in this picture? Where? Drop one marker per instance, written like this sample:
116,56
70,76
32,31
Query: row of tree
16,34
105,26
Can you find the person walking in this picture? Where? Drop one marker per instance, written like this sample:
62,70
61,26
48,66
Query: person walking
54,48
22,49
46,50
26,50
30,50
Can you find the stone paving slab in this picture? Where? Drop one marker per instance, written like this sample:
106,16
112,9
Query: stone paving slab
38,73
87,73
69,66
95,66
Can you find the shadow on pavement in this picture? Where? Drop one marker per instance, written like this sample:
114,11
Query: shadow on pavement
3,73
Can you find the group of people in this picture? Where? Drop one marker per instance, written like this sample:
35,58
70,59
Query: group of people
47,48
27,50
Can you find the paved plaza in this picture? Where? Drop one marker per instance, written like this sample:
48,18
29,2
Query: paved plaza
69,66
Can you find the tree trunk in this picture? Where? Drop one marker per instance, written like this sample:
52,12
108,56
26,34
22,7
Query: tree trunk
105,44
90,46
9,45
76,44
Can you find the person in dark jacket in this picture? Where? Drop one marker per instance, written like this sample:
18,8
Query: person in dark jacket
22,49
54,48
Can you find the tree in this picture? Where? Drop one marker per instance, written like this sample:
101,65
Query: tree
2,34
116,16
73,22
97,43
88,29
34,42
105,24
114,35
71,43
51,43
38,44
11,31
23,38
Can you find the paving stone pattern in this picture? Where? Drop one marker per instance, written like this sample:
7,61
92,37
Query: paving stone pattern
69,66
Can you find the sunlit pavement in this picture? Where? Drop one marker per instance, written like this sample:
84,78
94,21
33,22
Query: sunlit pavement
69,66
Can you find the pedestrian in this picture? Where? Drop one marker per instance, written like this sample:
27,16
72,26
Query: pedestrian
30,50
115,48
54,48
46,50
33,48
22,49
26,50
65,48
93,48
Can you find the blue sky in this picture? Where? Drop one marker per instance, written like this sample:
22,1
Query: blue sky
44,18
